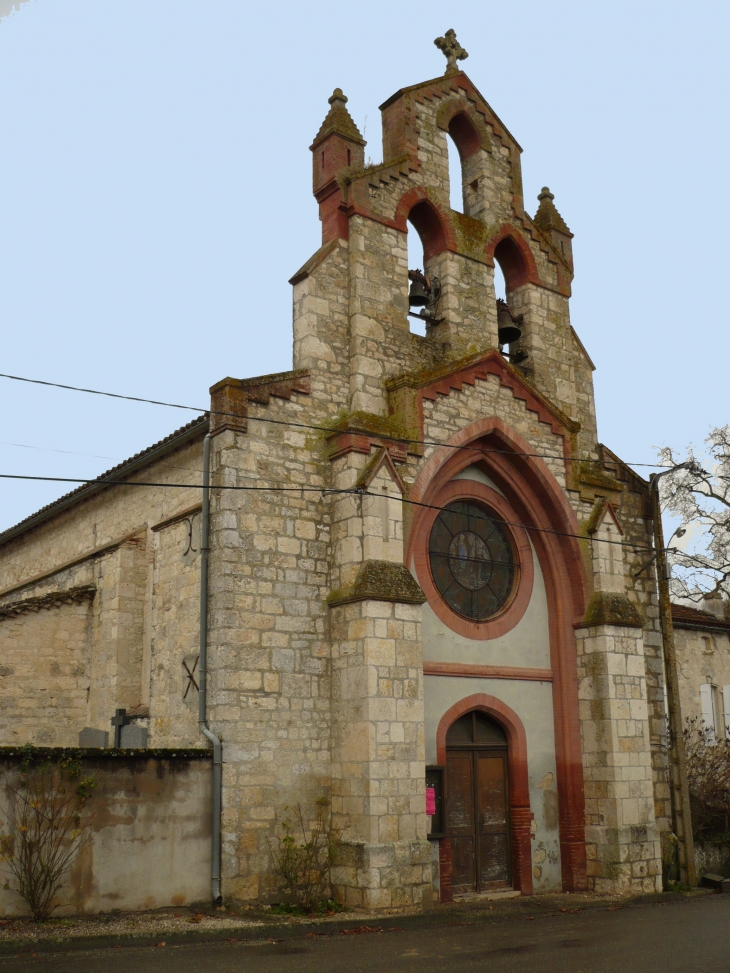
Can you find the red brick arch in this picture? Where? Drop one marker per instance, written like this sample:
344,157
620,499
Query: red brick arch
431,222
519,786
541,504
510,249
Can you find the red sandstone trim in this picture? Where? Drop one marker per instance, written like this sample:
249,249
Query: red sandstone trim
494,364
522,268
487,672
341,443
537,499
432,224
519,787
445,892
492,628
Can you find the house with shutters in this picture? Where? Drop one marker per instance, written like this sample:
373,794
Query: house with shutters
424,598
702,640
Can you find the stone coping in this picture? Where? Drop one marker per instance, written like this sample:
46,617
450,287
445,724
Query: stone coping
105,753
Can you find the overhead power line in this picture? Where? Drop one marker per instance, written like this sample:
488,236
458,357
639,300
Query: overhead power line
303,425
324,491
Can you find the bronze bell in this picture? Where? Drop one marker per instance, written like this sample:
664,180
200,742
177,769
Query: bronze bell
508,329
419,294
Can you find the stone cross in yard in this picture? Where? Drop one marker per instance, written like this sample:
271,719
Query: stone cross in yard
119,720
452,50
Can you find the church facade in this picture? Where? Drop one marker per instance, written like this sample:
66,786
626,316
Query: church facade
423,596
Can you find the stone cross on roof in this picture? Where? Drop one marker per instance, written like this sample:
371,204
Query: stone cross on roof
452,50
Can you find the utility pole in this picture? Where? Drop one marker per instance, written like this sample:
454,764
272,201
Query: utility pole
681,816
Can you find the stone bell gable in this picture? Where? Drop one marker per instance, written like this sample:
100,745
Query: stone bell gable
424,571
351,299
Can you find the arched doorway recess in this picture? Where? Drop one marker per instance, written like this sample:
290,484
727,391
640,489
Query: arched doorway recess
478,806
541,504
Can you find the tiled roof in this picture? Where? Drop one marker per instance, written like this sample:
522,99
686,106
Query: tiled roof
189,431
684,617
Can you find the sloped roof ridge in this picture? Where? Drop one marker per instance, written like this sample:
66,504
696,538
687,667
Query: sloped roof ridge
450,80
683,614
121,469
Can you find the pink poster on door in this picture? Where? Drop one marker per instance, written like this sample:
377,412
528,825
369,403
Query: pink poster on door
430,800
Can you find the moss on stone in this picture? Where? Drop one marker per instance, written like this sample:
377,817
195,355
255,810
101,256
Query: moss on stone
54,754
609,608
387,426
380,581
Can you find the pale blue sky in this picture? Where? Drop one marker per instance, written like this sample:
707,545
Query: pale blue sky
155,197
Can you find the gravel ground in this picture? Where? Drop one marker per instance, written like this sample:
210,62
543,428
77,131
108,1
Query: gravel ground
162,922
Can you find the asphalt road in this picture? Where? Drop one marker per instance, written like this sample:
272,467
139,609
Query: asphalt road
681,936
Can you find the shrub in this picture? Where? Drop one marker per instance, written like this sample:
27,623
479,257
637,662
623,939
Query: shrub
708,777
47,822
305,855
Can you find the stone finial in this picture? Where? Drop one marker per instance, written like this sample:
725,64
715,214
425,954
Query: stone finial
339,120
547,217
452,50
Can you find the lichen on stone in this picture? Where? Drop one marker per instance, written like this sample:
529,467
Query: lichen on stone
380,581
612,608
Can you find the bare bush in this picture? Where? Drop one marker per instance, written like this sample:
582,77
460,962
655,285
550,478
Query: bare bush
305,854
47,821
708,776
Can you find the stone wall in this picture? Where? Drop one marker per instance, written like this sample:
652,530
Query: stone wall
703,657
101,602
45,671
148,845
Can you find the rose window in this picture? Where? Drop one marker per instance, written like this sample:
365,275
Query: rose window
472,560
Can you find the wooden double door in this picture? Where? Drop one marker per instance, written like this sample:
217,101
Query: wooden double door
477,817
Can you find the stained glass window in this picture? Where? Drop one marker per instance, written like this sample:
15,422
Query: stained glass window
471,558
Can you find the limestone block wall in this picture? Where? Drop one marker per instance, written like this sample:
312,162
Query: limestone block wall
102,549
269,688
378,769
45,671
556,361
622,838
175,633
321,323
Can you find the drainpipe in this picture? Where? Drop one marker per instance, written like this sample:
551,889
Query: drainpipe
215,868
679,789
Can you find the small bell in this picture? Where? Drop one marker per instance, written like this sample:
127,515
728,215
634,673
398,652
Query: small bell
508,329
419,294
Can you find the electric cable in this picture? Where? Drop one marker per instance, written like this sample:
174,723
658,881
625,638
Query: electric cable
303,425
299,489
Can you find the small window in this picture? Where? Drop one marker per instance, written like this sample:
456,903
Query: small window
713,716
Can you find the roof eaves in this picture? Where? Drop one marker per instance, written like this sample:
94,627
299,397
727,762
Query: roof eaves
194,429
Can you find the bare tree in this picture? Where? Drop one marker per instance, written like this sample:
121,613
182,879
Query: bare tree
708,776
698,492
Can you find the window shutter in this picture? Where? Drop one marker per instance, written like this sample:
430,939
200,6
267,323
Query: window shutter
726,710
708,717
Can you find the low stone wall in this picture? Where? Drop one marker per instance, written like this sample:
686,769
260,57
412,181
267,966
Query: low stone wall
712,858
149,843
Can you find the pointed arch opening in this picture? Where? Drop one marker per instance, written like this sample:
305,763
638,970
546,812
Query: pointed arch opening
497,720
424,245
512,263
456,175
540,504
